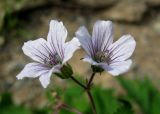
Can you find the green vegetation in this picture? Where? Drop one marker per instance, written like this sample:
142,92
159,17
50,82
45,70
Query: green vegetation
139,92
8,107
143,93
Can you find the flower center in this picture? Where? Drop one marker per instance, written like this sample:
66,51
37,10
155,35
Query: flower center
52,60
101,57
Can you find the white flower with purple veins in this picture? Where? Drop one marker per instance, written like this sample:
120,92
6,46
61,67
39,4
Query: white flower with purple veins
49,55
102,52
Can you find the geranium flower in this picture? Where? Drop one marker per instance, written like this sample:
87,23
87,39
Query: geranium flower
102,52
50,55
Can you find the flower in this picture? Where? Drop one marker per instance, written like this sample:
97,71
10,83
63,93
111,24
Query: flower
50,55
102,52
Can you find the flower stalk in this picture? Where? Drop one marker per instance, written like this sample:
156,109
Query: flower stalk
89,84
79,83
87,88
92,101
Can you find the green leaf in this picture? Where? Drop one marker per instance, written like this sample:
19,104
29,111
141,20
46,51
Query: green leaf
8,107
124,107
155,105
75,97
5,99
143,92
105,101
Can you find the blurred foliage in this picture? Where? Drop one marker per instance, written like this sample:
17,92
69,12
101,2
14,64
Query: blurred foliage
105,99
8,107
140,92
143,93
13,28
12,24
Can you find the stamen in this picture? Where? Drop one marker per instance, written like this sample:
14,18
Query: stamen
52,60
102,57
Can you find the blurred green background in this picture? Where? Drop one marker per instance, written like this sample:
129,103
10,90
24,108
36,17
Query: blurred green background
136,92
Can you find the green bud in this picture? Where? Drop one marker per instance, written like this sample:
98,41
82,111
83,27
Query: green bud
66,72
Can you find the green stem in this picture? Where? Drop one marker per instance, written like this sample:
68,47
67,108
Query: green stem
89,93
90,80
92,102
87,88
79,83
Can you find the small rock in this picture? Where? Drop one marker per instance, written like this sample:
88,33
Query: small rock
129,11
95,3
156,25
153,2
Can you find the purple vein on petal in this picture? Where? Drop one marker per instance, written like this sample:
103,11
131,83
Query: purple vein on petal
62,51
41,66
116,52
90,47
112,50
39,57
108,41
117,46
42,53
58,46
96,41
52,45
103,37
117,57
47,49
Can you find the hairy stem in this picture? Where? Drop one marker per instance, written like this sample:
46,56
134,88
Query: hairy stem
87,88
90,80
89,93
79,83
92,102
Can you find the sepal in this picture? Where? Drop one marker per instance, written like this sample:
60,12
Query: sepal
66,72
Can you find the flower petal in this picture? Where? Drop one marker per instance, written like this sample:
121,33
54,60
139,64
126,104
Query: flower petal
70,48
90,60
56,37
123,48
102,35
85,40
45,78
36,49
33,70
118,68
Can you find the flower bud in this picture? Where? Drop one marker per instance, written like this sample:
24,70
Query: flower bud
66,72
